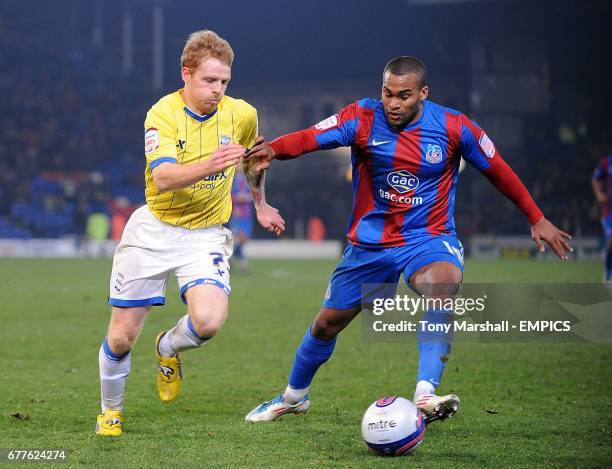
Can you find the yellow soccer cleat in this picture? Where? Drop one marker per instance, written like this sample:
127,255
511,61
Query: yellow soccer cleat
110,423
169,374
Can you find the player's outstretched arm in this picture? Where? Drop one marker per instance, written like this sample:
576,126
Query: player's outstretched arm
267,216
336,131
480,151
173,176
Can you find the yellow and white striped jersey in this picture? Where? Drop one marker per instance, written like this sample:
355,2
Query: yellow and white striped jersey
174,133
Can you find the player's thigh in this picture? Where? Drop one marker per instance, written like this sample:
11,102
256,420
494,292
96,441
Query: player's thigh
330,322
125,327
440,278
207,306
435,267
141,263
361,276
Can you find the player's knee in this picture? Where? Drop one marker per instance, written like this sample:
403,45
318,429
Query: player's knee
324,329
319,328
209,325
120,343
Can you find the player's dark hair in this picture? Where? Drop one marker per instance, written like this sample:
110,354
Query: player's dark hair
405,65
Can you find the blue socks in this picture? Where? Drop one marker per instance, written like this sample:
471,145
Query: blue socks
310,355
434,346
609,265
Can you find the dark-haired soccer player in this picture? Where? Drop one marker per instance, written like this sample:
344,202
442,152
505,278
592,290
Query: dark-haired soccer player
405,157
602,187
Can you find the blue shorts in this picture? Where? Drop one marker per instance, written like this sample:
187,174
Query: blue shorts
361,265
607,226
242,225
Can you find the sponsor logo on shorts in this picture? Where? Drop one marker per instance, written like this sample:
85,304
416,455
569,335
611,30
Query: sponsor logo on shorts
457,252
433,154
119,282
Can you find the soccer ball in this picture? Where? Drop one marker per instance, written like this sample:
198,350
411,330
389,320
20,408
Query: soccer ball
392,426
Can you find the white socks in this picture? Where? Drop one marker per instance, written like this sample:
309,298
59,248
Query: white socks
424,387
180,338
293,396
114,370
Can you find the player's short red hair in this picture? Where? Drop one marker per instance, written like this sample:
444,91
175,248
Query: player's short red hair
204,44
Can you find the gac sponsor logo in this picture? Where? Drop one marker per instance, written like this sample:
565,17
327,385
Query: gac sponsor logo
400,199
403,181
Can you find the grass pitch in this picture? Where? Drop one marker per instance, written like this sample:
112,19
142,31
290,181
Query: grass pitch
523,405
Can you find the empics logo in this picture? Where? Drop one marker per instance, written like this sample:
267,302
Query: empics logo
403,181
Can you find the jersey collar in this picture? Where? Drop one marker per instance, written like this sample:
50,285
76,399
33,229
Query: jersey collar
198,117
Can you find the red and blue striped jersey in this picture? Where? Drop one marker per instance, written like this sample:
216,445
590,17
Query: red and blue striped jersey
603,174
404,179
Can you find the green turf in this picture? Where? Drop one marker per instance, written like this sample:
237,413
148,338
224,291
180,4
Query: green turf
551,402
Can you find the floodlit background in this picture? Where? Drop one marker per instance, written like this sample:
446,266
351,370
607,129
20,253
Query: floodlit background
77,77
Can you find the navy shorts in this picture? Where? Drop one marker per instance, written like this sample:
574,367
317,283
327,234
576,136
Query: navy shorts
360,265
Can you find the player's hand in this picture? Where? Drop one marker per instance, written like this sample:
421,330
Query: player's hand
261,154
270,219
225,157
554,237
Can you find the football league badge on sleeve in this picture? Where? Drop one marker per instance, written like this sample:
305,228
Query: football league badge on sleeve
433,154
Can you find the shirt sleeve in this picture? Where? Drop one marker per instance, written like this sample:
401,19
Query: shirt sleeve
160,138
339,130
476,147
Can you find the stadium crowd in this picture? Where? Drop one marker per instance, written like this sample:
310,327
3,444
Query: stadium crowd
71,146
